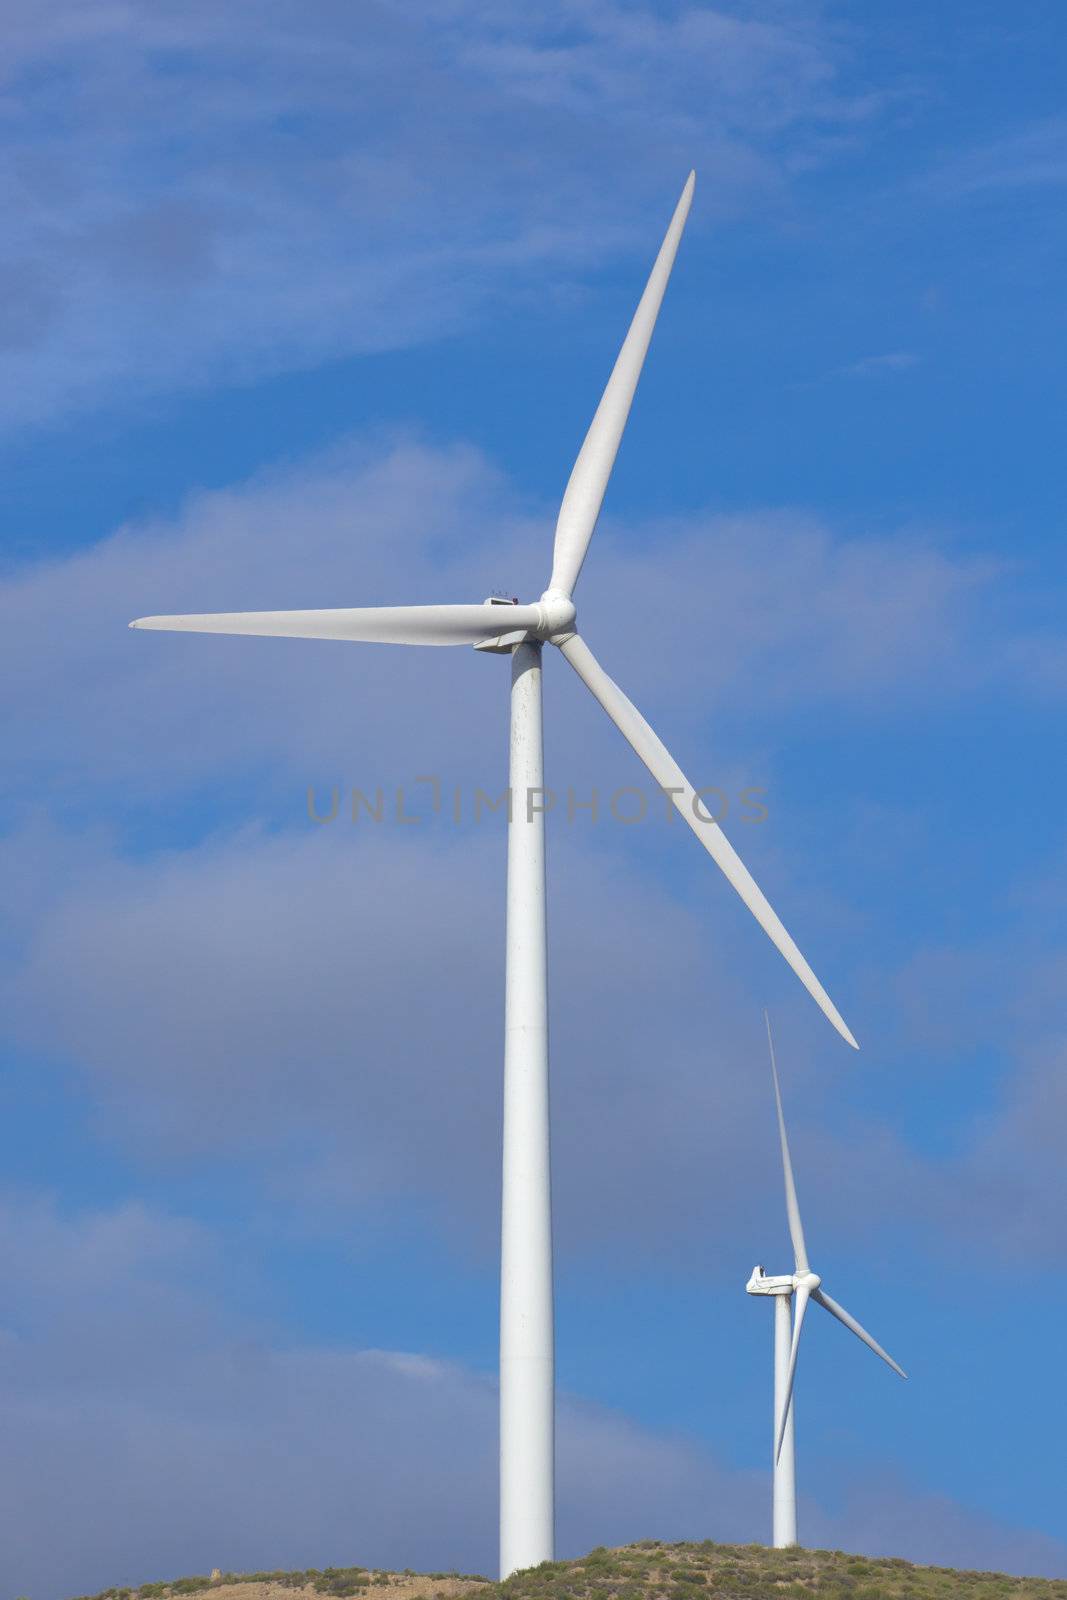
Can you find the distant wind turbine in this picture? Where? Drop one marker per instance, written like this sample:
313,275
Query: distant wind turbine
526,1319
805,1285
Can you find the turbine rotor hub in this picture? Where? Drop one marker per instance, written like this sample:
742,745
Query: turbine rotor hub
557,614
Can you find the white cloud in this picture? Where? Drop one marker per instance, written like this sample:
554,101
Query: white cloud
253,998
191,200
729,605
250,999
878,366
1033,156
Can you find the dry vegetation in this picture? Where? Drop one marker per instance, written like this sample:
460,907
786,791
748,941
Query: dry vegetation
645,1571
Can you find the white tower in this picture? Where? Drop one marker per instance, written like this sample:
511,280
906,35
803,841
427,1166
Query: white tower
784,1468
527,1383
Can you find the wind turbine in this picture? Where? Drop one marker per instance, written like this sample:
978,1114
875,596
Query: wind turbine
804,1285
521,631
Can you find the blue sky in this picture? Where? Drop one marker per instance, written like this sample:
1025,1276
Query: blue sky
307,307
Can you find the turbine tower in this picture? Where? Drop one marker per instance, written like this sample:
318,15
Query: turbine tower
791,1294
521,631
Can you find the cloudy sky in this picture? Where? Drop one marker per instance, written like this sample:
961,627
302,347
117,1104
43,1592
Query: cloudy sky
310,304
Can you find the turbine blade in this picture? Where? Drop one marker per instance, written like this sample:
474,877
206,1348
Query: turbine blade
861,1333
588,481
671,779
801,1295
371,624
796,1229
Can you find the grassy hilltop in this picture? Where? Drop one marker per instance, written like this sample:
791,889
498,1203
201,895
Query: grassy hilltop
646,1571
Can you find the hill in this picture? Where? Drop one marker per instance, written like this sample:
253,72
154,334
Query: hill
646,1571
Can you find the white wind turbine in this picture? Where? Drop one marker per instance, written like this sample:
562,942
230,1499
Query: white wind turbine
526,1319
805,1285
